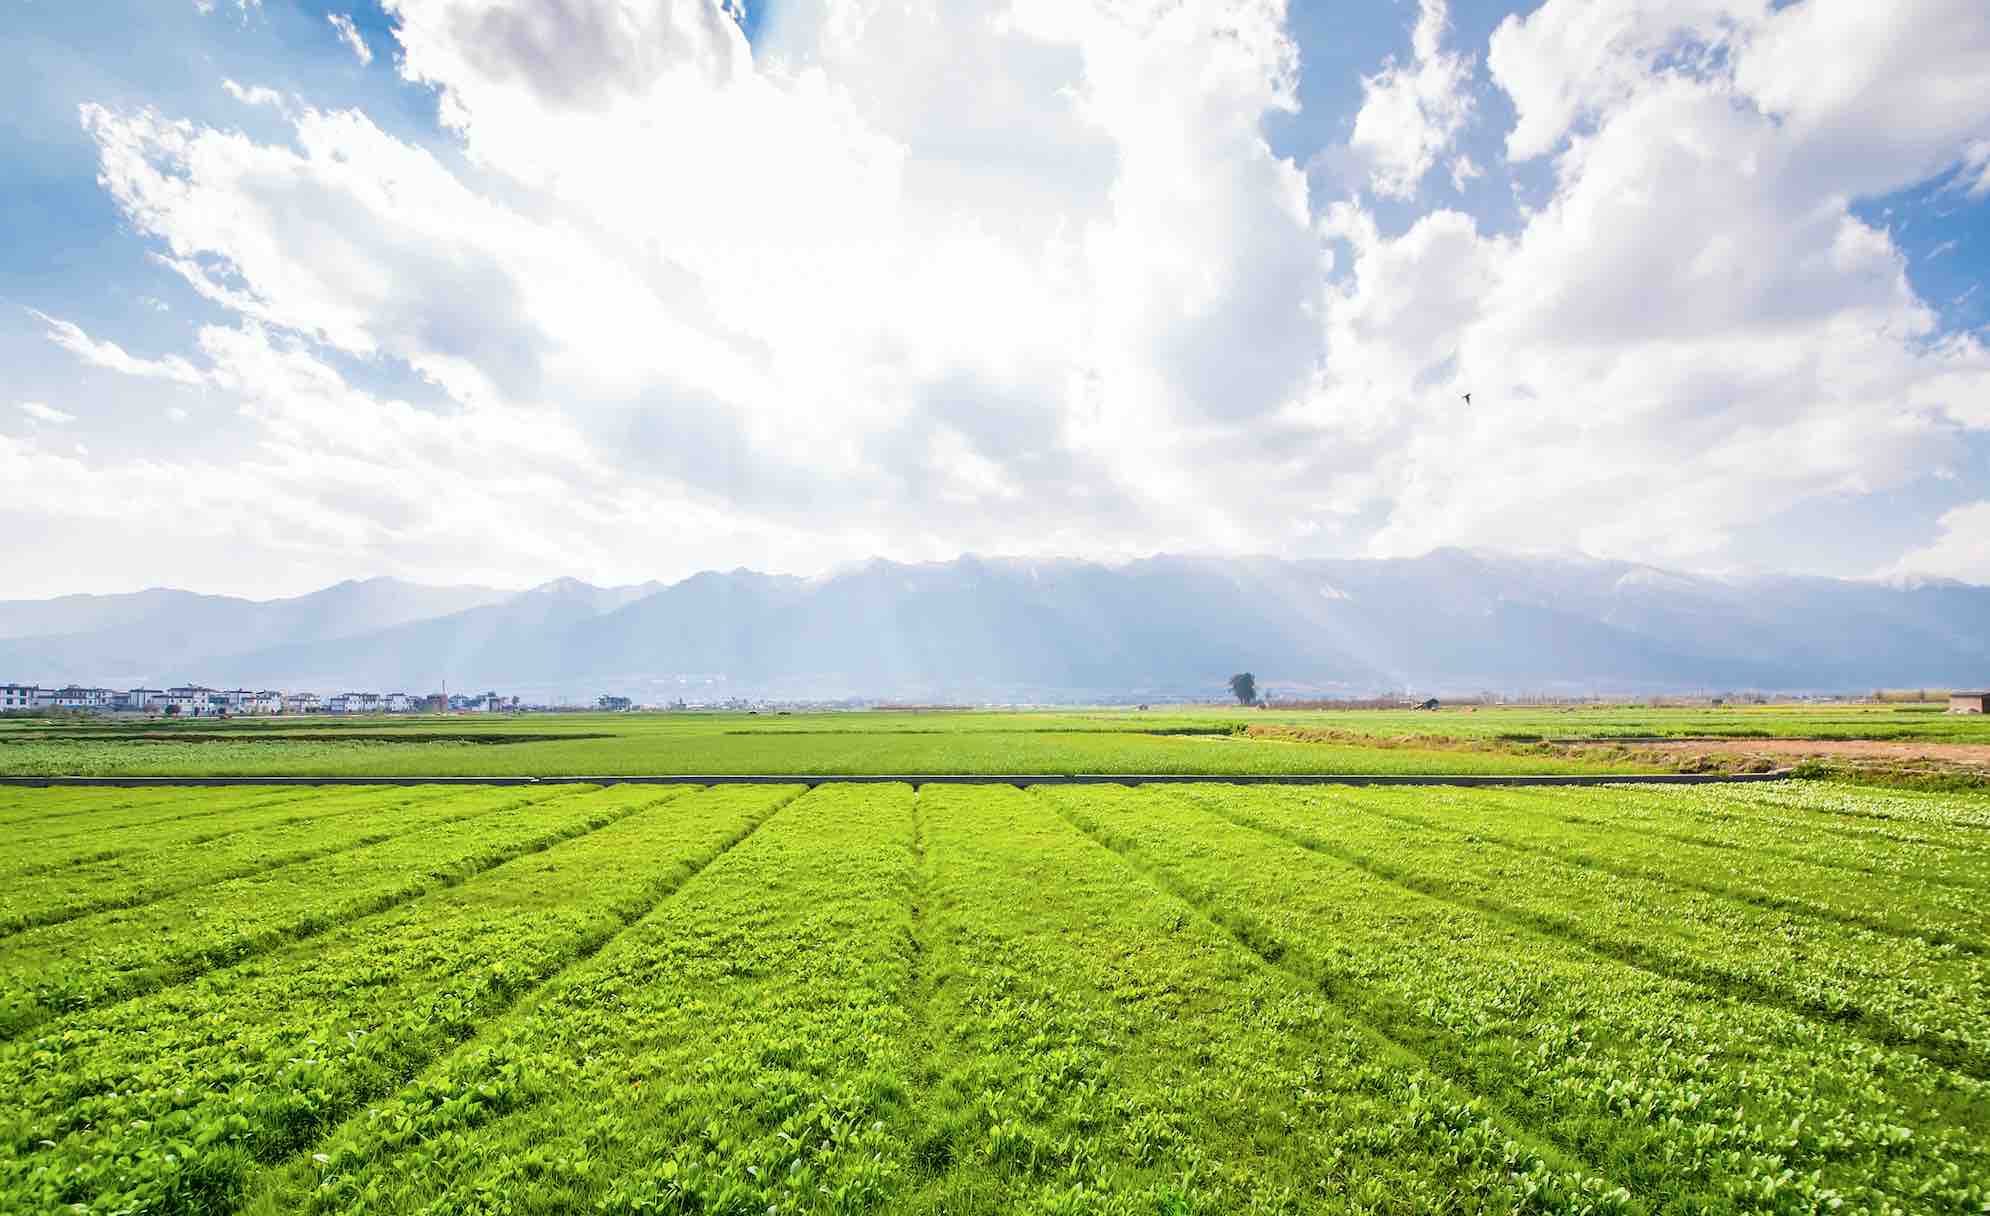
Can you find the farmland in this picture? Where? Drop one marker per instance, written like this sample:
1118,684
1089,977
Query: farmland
1192,998
1187,740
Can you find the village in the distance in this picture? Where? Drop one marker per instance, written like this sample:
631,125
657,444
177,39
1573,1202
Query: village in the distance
198,701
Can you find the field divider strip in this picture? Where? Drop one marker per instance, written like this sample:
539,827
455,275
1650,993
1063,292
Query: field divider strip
12,926
242,950
1553,1149
1758,899
1880,1031
922,1076
1019,780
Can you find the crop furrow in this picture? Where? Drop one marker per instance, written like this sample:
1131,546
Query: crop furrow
919,984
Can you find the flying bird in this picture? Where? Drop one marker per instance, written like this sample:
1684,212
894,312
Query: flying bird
1468,398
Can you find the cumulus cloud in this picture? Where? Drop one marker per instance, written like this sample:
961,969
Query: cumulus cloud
350,35
1411,112
912,280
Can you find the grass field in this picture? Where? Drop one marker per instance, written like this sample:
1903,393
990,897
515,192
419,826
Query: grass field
1186,999
1101,741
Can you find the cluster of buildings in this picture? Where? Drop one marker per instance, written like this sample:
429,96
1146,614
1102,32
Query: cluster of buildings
198,701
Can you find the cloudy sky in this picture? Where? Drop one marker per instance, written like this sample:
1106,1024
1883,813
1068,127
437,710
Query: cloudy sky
499,290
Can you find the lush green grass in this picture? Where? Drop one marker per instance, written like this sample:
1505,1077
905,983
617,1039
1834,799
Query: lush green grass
1198,998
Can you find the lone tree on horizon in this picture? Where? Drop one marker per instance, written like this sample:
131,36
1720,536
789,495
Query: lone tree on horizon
1244,686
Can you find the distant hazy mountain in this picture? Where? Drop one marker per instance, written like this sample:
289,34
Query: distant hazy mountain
175,636
1013,629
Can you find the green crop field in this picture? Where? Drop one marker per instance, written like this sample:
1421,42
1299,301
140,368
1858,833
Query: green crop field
977,999
1190,740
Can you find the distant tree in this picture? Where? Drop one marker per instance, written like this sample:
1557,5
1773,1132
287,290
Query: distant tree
1244,686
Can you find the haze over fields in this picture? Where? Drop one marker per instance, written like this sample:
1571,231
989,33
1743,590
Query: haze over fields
1026,629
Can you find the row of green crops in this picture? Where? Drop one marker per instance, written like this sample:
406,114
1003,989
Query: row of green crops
167,1103
1676,1090
239,845
1099,1047
740,1050
107,955
1812,966
1916,882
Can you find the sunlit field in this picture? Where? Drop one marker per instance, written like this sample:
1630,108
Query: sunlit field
1197,998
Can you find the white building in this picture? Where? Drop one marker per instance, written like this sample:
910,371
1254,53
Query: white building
17,697
76,697
144,698
187,700
397,703
301,703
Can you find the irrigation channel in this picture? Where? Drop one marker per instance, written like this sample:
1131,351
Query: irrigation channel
1019,780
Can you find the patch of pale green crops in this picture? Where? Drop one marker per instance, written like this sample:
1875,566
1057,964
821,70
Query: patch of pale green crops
200,852
87,834
105,956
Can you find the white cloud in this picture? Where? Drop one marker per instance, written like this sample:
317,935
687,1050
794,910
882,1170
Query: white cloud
253,95
1410,113
350,35
1694,333
917,279
110,355
1960,550
43,412
1976,162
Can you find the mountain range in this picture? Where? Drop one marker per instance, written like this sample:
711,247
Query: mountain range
1003,629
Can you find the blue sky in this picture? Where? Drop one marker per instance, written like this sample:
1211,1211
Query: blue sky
628,288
